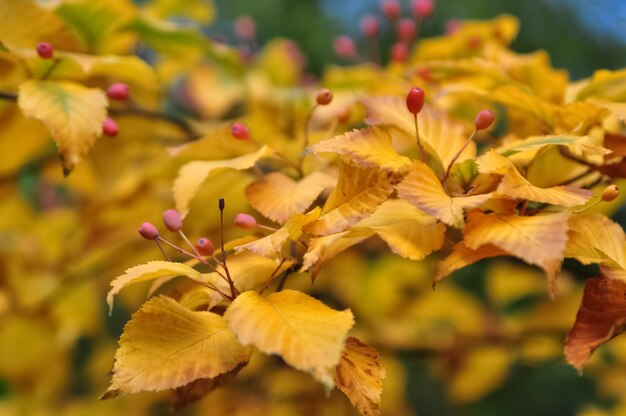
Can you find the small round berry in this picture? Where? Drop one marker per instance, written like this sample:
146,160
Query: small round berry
452,26
391,9
405,30
422,9
172,220
324,96
610,193
240,131
45,50
484,119
399,52
344,46
118,91
148,231
110,128
415,100
370,25
205,246
245,221
245,27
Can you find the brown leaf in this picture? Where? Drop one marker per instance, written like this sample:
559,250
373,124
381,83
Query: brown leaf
601,317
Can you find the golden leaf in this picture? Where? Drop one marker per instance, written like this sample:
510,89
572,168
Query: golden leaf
462,256
278,197
358,193
422,188
166,346
538,240
514,185
359,376
197,389
583,146
442,136
596,239
516,97
369,147
600,318
307,334
323,249
410,233
149,271
73,113
193,174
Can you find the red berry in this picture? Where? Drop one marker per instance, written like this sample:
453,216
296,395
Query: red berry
344,47
405,30
205,246
45,50
324,96
610,193
422,9
245,27
109,127
148,231
391,9
172,220
245,221
118,91
240,131
415,100
399,52
484,119
370,25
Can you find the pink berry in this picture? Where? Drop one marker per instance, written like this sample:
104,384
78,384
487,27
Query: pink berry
118,91
148,231
422,9
452,26
405,30
399,52
240,131
245,27
324,96
172,220
484,119
245,221
344,46
45,50
205,246
370,25
391,9
110,128
415,100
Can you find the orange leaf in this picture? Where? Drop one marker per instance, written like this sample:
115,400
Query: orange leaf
601,317
462,256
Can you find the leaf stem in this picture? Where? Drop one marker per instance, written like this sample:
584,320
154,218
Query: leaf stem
233,290
456,156
419,142
50,69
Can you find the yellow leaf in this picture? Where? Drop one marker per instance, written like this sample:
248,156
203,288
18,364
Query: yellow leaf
369,147
73,113
149,271
596,239
278,197
410,233
359,376
479,372
514,185
197,389
25,23
307,334
584,146
193,174
272,245
323,249
201,11
442,136
358,193
422,188
462,256
516,97
578,117
604,84
166,346
538,240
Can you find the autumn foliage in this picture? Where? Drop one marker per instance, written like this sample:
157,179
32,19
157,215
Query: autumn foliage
293,194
